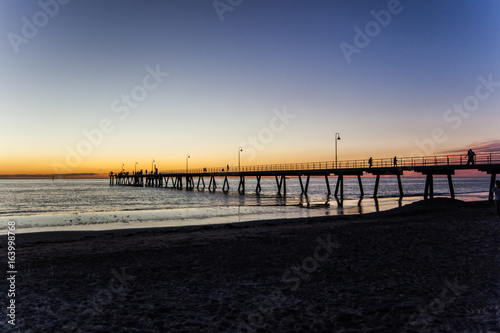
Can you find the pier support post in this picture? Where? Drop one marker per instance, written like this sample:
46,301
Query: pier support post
212,185
492,170
203,182
360,186
189,183
429,181
386,171
225,185
340,184
258,188
377,181
400,185
241,186
281,183
278,183
301,185
307,184
492,184
450,182
429,187
328,185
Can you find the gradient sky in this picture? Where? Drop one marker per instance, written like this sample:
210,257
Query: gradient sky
231,70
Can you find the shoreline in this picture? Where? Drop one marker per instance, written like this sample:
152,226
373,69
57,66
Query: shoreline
175,217
338,219
432,265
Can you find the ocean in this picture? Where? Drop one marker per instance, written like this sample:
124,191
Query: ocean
92,204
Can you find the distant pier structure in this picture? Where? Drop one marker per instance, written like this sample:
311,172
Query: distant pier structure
444,165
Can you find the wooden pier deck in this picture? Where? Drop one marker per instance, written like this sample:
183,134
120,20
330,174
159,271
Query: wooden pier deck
426,165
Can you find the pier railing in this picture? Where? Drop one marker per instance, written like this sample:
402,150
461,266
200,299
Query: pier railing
406,162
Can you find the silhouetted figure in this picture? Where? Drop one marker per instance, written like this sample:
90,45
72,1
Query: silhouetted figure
370,162
395,161
496,198
470,154
227,169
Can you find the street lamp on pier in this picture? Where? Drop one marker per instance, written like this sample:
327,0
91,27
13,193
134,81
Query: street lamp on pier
337,137
135,167
187,160
152,170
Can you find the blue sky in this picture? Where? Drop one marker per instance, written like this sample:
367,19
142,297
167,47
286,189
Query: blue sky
228,79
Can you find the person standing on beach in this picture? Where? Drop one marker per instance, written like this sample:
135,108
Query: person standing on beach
496,194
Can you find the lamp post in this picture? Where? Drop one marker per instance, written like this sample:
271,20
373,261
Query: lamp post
135,167
187,157
123,167
337,137
152,161
239,158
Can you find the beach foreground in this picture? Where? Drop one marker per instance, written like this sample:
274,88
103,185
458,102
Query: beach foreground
428,266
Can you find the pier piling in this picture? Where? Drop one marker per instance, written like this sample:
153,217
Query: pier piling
426,165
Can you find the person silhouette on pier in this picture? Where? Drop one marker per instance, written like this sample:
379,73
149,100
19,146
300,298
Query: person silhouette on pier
395,161
496,198
370,162
470,154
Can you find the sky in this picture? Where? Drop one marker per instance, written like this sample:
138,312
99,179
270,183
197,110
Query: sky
89,86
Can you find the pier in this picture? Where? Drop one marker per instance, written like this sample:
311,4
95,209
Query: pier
430,166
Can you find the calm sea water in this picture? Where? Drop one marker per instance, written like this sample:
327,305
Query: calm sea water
92,204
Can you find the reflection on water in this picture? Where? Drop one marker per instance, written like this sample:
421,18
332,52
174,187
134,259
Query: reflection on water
93,203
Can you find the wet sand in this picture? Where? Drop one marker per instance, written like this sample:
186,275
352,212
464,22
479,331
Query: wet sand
428,266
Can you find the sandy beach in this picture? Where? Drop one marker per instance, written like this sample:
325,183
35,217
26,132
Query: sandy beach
429,266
